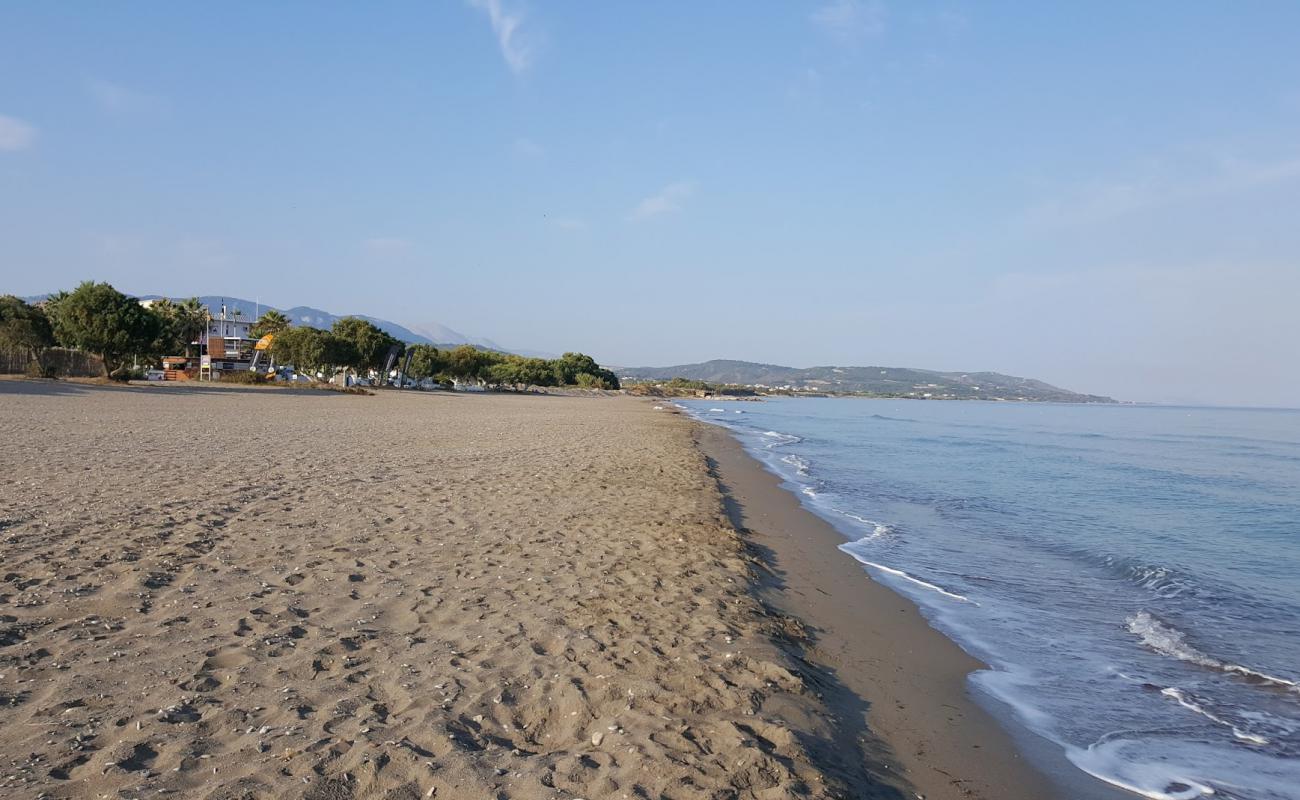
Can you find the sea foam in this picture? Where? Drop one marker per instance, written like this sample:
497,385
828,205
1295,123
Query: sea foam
1169,641
898,573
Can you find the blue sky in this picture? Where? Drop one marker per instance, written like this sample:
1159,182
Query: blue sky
1102,195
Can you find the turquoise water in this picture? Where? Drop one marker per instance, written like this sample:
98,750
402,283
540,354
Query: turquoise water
1131,574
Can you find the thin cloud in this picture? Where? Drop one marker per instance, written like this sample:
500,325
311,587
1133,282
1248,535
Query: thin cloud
516,45
15,134
665,201
118,99
527,148
1106,200
850,21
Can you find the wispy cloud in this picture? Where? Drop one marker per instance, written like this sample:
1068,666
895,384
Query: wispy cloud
119,99
1159,186
517,46
665,201
850,21
15,134
527,148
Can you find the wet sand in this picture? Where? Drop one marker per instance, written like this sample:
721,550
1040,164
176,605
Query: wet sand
901,684
233,592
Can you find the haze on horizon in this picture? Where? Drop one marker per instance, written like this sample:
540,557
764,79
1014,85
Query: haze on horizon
1100,196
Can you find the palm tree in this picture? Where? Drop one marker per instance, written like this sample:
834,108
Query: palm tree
270,322
191,321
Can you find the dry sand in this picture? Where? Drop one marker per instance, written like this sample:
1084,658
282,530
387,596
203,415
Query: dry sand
235,592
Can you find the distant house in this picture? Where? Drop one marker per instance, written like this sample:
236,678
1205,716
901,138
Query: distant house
226,346
229,344
230,328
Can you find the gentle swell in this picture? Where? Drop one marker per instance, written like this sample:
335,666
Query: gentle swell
900,574
779,439
1169,641
1193,703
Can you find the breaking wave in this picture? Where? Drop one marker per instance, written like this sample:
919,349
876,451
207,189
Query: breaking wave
1169,641
878,529
1191,702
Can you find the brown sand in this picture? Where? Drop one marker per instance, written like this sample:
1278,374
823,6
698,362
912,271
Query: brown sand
228,592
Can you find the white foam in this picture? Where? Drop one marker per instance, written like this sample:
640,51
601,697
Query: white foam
718,410
901,574
1107,761
806,490
1171,769
1169,641
878,529
1188,702
800,465
779,439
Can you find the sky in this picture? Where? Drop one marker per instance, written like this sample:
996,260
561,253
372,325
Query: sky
1105,196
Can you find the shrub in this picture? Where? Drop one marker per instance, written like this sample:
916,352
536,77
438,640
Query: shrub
243,376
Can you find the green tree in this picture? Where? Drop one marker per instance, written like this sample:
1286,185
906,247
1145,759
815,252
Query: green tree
25,327
535,372
335,351
301,347
571,366
309,349
371,343
503,373
169,338
468,363
100,319
270,322
426,361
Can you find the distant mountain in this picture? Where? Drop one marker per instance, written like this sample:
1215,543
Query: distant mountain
437,332
893,381
431,333
426,333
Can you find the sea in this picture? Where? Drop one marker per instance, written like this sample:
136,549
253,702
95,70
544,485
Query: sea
1130,574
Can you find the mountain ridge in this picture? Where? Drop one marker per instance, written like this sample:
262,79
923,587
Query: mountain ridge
888,381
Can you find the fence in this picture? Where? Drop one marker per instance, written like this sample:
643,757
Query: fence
58,362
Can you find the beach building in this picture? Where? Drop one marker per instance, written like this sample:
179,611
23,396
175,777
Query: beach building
228,345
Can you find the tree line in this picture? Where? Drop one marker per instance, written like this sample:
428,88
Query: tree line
98,319
360,345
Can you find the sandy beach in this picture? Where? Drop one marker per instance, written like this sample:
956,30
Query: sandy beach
228,593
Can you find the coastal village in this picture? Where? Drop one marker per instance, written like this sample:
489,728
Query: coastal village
97,331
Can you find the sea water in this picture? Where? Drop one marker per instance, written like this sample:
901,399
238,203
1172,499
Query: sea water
1130,574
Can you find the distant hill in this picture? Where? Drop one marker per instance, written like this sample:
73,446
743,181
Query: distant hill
319,318
892,381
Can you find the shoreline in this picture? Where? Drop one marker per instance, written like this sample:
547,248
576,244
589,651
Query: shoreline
523,596
898,687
